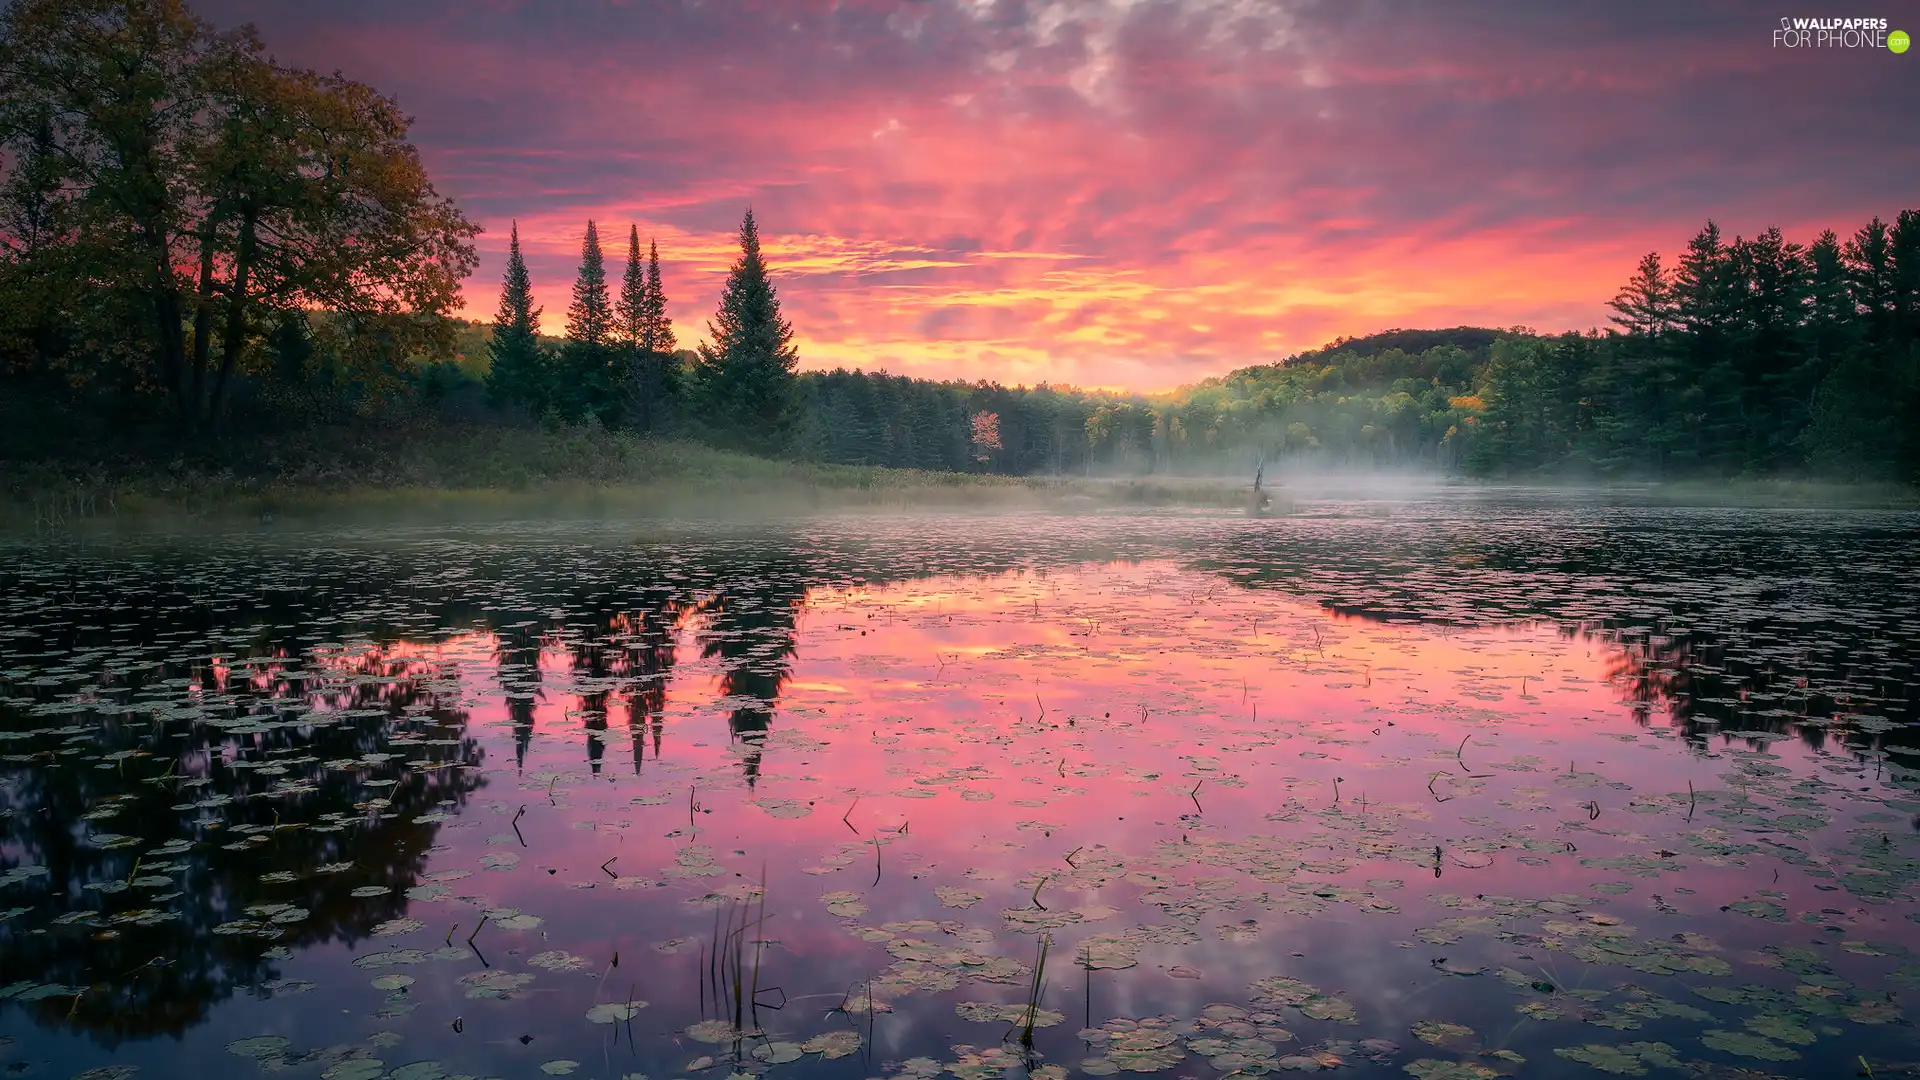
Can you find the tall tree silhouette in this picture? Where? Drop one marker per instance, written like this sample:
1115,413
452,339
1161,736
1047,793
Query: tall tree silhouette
646,334
750,628
747,383
518,373
650,658
589,361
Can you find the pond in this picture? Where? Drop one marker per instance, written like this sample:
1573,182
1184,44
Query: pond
1464,785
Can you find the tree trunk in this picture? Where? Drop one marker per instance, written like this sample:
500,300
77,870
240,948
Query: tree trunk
173,361
235,338
202,323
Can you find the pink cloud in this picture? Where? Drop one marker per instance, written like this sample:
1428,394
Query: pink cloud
1116,193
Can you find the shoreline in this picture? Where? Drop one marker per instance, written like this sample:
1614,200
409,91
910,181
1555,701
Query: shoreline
458,475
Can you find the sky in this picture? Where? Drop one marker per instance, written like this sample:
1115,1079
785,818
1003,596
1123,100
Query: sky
1126,194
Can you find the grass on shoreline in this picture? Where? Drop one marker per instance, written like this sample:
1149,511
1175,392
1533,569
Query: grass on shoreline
476,473
445,473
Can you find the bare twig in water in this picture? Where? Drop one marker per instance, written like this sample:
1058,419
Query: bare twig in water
1069,857
1033,992
607,864
516,825
1086,961
1437,797
476,929
759,940
876,860
1195,794
1044,878
849,813
1691,796
1458,754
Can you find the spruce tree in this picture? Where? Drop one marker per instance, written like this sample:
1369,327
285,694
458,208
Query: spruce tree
590,316
629,317
1644,305
518,375
588,360
646,338
1905,358
656,329
1707,301
747,382
658,343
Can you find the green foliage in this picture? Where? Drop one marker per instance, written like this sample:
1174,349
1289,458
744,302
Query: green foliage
172,193
1755,357
195,236
745,379
590,372
518,374
652,369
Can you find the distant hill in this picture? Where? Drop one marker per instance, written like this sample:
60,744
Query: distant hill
1379,359
1474,339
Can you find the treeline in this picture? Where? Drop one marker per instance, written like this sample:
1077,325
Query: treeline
1747,357
618,365
195,238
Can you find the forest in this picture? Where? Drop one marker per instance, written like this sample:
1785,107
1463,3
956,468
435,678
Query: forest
200,247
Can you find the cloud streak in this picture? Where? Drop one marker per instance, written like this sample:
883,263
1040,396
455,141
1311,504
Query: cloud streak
1123,192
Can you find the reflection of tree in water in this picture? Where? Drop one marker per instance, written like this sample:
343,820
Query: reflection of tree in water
148,941
626,654
516,659
651,646
1721,620
750,629
271,821
1818,684
1811,683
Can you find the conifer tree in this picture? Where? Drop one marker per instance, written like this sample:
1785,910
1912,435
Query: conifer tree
590,316
747,384
629,315
588,362
656,329
646,338
518,374
1645,304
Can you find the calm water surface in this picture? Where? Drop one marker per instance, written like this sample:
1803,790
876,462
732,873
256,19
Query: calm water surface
1462,787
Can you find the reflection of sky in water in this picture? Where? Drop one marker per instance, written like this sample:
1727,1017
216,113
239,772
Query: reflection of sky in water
1222,785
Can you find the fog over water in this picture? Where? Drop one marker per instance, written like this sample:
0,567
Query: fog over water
1398,779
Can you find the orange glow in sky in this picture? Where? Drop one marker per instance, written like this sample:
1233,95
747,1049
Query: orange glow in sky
1120,193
